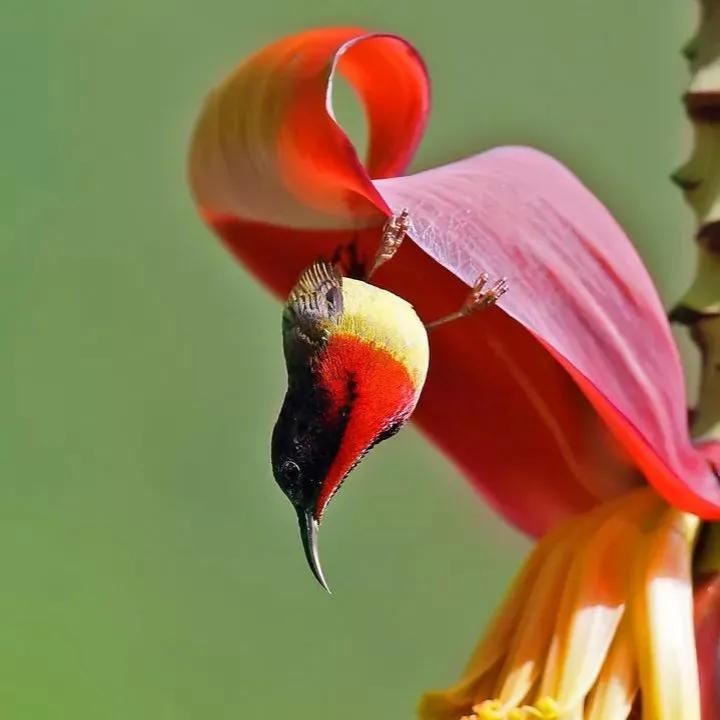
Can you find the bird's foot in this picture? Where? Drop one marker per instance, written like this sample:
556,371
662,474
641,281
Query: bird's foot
477,299
392,237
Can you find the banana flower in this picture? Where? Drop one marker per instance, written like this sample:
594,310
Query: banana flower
564,404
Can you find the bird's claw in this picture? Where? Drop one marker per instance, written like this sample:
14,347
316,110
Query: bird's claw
393,235
478,298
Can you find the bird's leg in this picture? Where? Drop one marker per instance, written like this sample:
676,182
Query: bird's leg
392,236
478,299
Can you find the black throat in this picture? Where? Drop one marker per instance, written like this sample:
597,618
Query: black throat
307,435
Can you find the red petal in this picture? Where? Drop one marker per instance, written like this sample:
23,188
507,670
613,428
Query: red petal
522,400
579,287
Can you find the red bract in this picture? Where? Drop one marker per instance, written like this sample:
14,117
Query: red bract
561,397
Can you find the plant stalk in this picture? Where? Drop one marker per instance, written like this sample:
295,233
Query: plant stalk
699,178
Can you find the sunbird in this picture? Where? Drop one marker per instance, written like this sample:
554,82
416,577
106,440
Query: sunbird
357,357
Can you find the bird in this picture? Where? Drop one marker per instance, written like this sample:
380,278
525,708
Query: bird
357,358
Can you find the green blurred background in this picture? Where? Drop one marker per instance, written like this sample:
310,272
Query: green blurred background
150,568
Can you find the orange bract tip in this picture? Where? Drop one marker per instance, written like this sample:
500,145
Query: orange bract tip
267,147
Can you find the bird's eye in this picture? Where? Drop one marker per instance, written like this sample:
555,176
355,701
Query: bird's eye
332,298
291,471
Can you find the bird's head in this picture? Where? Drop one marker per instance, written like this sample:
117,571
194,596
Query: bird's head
357,357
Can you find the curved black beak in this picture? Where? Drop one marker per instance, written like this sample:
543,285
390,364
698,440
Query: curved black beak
308,533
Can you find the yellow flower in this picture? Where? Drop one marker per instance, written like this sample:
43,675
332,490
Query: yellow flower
602,610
